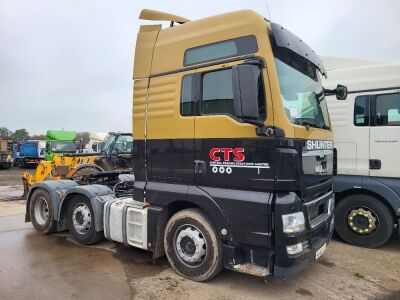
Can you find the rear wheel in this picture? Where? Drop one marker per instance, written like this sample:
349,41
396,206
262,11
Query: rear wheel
192,246
81,222
42,212
363,220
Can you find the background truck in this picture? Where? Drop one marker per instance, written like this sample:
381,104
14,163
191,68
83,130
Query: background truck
232,155
5,154
95,142
367,139
28,154
60,142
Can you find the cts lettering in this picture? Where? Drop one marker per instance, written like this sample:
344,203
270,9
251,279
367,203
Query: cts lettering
226,154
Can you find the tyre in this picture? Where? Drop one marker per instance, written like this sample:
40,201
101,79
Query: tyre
364,221
192,246
41,211
81,222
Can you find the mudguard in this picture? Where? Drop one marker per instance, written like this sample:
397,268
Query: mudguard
384,187
56,189
96,193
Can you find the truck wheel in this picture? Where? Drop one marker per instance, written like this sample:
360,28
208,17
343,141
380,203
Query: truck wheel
81,221
364,221
41,211
192,246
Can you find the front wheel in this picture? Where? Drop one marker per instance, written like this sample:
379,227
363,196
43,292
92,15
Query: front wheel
363,220
81,222
192,246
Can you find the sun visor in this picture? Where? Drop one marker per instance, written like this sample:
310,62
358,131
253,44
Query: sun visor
284,38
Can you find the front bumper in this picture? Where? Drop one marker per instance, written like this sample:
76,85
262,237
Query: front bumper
319,229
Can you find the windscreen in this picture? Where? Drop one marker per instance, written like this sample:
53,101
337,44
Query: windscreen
301,88
302,93
63,147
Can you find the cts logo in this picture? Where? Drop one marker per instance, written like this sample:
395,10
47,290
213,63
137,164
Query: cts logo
226,154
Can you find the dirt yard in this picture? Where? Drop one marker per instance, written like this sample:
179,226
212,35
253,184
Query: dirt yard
12,176
54,266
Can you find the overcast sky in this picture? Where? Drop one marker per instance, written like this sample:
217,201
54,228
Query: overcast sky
68,63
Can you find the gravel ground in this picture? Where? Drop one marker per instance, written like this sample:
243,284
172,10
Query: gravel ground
12,176
54,266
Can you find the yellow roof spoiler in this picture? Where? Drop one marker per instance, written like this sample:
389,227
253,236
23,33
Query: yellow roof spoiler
154,15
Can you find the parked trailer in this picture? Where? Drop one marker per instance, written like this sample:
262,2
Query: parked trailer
233,154
367,132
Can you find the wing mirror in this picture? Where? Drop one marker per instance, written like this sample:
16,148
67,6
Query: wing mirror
340,92
245,92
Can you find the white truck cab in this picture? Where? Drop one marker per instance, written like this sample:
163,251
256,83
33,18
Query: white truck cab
367,141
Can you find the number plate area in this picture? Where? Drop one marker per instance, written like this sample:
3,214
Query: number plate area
320,251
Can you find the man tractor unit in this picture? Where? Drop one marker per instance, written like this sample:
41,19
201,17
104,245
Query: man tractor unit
367,133
232,153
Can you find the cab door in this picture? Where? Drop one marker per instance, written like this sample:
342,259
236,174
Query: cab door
228,153
385,135
233,165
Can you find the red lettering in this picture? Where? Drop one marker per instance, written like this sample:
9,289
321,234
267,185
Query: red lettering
212,154
238,154
226,152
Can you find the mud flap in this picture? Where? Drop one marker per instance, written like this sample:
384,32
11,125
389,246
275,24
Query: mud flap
26,188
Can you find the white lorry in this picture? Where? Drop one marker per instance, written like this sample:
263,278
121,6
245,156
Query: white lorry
367,140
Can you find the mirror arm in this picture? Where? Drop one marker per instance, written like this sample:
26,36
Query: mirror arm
329,92
254,122
263,130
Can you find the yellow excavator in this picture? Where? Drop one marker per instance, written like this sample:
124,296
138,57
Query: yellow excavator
115,155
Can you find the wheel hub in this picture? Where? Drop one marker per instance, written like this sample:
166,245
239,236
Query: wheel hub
191,245
82,218
362,221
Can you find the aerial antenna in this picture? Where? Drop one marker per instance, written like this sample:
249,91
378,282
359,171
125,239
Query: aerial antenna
269,14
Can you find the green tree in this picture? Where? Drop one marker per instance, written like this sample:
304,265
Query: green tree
5,134
20,135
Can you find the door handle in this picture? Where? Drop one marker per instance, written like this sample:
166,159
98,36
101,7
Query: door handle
199,166
375,164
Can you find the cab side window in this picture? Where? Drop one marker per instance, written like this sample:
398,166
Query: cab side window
187,98
361,111
387,110
217,93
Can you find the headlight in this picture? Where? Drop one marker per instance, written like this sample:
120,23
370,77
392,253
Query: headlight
294,249
293,223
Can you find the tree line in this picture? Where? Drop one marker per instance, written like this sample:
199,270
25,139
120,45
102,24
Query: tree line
18,135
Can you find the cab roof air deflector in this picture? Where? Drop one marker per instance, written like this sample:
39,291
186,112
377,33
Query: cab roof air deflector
154,15
284,38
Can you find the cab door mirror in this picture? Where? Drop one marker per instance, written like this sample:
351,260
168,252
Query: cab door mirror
341,92
245,91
